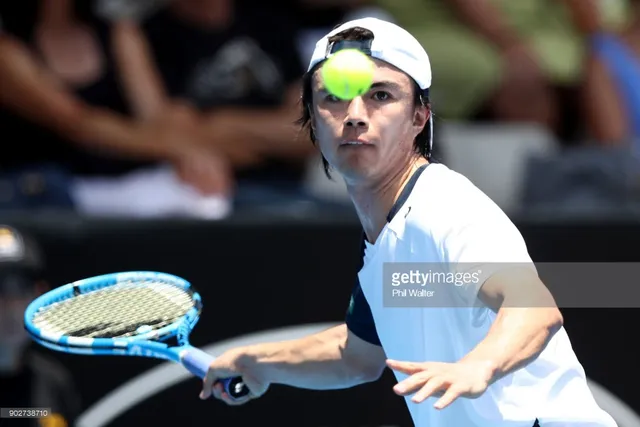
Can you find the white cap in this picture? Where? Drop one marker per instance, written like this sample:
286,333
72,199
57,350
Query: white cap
391,44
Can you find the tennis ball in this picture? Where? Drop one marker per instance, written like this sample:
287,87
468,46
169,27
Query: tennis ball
347,74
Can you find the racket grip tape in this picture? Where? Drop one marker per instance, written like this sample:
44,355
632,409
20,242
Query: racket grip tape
197,362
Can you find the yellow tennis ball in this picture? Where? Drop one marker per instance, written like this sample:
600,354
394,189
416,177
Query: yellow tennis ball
347,74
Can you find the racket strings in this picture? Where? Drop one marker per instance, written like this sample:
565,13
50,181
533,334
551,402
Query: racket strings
117,311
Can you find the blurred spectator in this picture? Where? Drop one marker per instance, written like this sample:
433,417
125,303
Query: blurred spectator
231,70
29,378
611,92
63,116
500,59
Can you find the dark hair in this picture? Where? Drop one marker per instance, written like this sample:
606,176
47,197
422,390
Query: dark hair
422,142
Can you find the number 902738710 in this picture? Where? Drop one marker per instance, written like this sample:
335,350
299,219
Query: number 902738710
22,413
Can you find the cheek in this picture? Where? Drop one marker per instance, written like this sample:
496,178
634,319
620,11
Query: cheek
394,124
325,126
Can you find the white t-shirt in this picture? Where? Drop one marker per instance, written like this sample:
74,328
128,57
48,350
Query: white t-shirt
443,223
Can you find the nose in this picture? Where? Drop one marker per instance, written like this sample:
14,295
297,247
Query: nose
357,114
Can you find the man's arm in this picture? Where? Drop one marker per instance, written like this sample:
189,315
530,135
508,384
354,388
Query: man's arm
486,242
267,132
606,117
141,81
527,318
340,357
332,359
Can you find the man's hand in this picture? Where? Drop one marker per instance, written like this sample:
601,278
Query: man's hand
449,380
206,171
220,128
204,168
234,363
211,131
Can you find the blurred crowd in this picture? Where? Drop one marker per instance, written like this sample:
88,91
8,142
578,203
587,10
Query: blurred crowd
155,108
165,108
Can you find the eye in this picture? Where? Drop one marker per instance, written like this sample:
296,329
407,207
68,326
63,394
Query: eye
381,96
331,98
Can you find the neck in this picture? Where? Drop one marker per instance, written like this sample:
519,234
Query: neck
373,202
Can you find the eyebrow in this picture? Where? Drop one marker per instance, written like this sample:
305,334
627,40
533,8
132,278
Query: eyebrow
383,84
386,84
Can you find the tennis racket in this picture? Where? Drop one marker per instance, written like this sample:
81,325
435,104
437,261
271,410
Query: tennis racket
125,314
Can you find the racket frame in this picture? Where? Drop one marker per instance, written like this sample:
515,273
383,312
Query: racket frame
150,344
151,341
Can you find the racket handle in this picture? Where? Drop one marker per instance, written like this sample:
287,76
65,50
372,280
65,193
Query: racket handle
197,362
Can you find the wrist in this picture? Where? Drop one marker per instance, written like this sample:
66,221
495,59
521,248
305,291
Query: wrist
488,367
256,360
269,362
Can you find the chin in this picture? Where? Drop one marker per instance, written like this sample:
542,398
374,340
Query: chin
356,163
355,173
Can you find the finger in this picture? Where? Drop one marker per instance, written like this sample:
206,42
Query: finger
212,377
429,389
406,367
448,398
412,384
207,384
217,390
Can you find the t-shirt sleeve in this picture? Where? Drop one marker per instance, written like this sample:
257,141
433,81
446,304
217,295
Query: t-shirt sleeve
359,319
481,242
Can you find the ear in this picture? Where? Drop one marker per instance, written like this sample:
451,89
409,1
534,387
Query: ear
421,116
312,118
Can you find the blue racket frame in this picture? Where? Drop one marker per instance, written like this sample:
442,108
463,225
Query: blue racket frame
142,345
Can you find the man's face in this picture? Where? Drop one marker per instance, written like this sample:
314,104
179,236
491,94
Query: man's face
373,134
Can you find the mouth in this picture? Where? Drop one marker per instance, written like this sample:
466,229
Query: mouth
356,142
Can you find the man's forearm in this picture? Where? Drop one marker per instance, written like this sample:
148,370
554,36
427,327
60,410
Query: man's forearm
516,338
316,362
99,129
140,79
264,133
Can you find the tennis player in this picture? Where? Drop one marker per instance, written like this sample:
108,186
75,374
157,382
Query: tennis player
488,351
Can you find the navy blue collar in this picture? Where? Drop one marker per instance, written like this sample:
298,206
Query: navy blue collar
406,192
404,195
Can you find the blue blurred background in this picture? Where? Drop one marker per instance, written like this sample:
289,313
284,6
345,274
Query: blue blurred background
160,134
